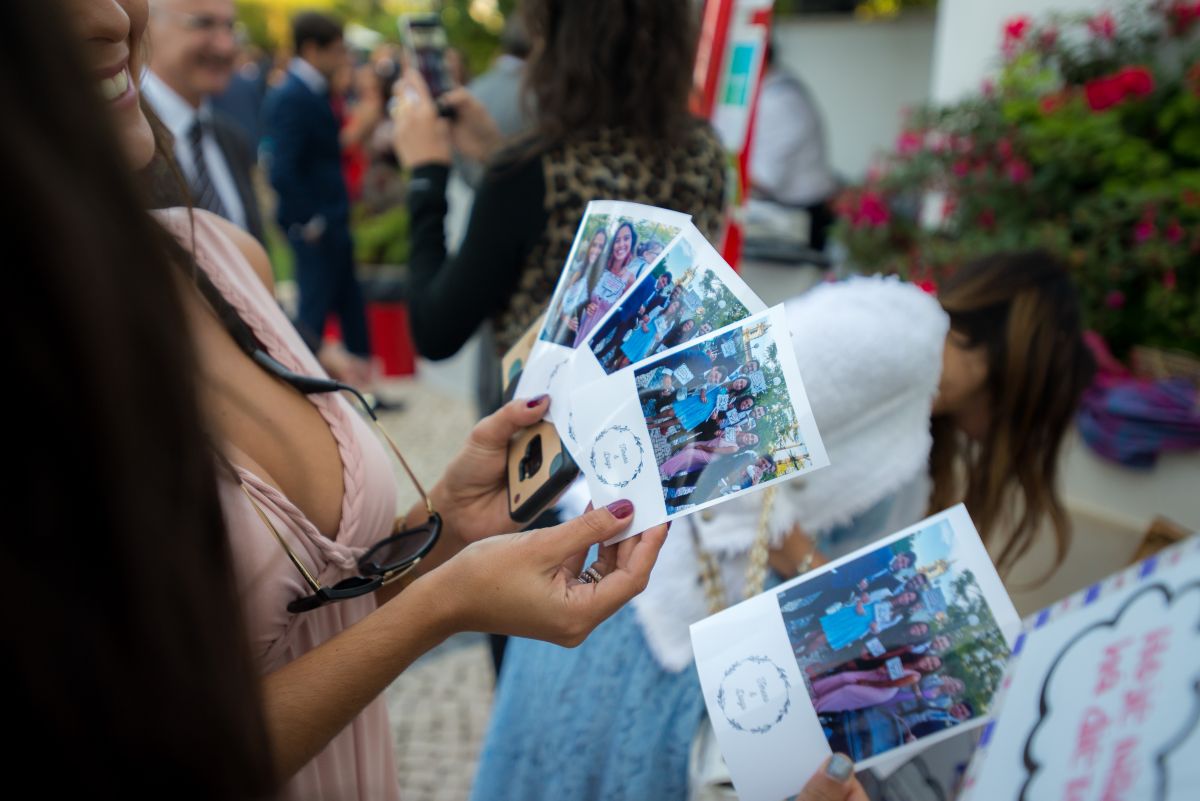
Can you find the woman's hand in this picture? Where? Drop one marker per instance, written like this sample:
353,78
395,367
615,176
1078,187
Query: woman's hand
473,131
421,136
472,496
834,782
573,323
526,584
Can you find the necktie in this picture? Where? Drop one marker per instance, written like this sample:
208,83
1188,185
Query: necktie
204,194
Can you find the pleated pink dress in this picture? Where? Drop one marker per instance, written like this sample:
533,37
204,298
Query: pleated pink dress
359,762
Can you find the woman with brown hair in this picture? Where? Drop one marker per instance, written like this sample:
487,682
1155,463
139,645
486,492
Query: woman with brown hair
609,86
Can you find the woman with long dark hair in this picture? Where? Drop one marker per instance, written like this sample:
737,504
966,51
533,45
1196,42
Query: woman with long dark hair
306,490
124,650
609,86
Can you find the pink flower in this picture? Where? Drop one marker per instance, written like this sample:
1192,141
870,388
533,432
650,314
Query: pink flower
1004,149
961,168
988,87
1174,232
1018,171
1115,299
1103,25
1048,38
1169,281
909,143
1052,102
1103,93
1144,231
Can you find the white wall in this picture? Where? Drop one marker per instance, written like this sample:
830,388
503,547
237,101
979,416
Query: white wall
862,76
969,33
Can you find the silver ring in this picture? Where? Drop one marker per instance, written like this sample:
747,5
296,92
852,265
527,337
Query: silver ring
590,576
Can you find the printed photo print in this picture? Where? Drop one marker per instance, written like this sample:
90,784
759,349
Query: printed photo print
612,251
720,417
897,645
679,301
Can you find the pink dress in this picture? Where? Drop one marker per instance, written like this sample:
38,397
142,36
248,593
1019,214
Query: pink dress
358,763
841,692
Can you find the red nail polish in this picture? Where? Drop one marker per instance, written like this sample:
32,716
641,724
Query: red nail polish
620,509
538,401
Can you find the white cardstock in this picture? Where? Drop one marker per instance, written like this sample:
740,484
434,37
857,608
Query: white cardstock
763,704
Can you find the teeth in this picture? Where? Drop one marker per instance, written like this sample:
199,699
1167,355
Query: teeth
116,86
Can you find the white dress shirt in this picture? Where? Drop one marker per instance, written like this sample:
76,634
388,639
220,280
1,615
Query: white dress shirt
309,74
787,160
179,116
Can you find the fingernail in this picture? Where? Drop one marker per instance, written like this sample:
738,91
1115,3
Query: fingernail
538,401
620,509
840,768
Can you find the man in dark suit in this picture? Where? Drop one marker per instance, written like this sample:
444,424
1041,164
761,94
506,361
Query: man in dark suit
304,154
190,62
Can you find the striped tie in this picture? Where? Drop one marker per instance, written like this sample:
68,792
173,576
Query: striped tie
204,194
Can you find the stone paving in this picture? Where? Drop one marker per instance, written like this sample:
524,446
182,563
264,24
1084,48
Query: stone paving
440,706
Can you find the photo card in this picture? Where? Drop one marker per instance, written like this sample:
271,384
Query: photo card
616,243
690,293
885,651
708,420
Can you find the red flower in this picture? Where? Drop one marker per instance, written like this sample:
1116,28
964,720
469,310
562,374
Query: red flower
1103,93
1014,33
1136,81
961,168
1004,149
910,143
1110,90
928,286
1144,231
1183,16
987,219
1018,171
1015,29
1103,25
1169,281
872,210
1114,299
1048,38
1173,232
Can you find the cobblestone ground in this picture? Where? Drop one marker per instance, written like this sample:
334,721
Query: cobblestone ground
440,706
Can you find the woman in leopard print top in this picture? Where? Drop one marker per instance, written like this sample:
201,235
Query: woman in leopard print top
610,124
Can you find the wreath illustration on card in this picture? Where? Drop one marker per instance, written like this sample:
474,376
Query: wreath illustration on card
755,695
618,456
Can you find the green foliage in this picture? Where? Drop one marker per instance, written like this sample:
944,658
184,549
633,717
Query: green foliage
382,238
1087,144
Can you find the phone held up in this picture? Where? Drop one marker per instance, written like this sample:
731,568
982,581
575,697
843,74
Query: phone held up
425,45
539,467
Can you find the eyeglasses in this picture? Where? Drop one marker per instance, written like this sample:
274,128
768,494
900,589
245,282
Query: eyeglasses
387,561
203,23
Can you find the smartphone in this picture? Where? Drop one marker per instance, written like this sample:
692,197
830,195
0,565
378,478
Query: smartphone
539,466
425,43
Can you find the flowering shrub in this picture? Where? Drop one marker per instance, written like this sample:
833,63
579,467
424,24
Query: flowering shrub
1087,144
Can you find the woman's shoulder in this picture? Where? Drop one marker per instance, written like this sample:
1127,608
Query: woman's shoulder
217,243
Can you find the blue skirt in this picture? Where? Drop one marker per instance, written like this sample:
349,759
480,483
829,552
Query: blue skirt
601,722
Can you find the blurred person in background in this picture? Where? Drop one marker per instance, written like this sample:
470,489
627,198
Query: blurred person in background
789,158
609,90
243,99
304,145
192,62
